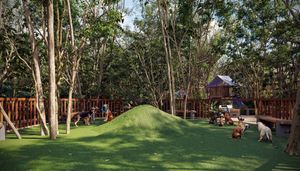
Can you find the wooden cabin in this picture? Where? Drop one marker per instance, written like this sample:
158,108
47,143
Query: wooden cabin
220,87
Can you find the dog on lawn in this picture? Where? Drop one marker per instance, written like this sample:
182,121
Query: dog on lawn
265,132
86,116
221,120
108,114
239,129
228,119
213,117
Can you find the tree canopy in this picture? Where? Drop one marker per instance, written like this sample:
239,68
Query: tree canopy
255,42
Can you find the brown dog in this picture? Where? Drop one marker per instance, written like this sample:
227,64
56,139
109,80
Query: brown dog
109,116
237,132
239,129
228,119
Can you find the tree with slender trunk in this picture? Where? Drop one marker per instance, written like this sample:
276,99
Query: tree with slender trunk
60,58
51,60
73,75
39,93
163,14
76,57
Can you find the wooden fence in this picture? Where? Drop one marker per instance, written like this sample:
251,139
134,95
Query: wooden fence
79,105
201,106
23,113
277,108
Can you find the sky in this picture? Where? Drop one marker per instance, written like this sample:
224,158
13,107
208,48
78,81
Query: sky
133,6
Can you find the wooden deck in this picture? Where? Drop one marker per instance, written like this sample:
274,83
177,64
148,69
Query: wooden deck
281,126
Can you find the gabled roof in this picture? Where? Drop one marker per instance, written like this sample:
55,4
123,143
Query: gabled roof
221,79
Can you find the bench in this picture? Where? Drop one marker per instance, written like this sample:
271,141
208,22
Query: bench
281,126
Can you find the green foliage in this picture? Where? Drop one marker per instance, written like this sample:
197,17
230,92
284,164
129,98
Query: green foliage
259,41
14,45
107,26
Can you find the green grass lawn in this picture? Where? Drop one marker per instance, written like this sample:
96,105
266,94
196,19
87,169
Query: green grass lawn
145,138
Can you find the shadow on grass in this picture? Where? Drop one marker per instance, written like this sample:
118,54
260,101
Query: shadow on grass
180,146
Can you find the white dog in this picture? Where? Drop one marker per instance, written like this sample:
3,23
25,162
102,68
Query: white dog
264,132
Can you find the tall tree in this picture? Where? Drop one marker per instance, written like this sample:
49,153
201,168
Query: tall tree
292,145
101,29
192,33
37,71
75,64
163,8
51,60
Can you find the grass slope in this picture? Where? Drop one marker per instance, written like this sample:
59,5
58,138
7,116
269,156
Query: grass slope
144,121
145,138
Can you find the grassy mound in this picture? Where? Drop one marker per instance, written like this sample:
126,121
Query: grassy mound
146,120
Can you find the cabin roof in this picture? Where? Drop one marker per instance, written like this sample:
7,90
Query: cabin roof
221,80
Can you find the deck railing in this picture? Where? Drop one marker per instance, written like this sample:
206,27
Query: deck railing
277,108
21,111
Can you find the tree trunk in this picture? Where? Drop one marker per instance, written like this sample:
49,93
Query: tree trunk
9,122
59,52
57,102
186,98
74,70
40,94
52,82
292,145
37,72
163,14
56,112
69,110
